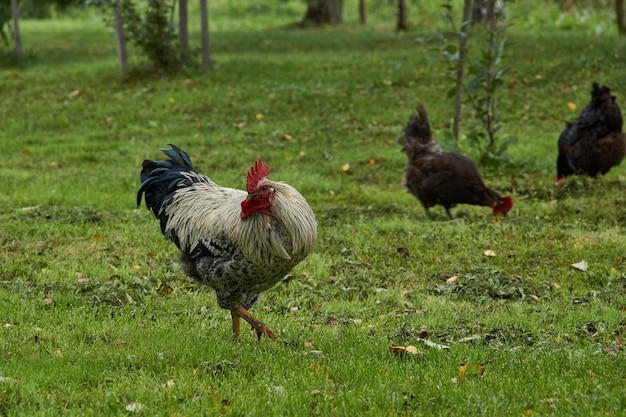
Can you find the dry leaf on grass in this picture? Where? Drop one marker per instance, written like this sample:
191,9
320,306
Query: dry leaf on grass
452,279
403,350
581,266
471,369
164,290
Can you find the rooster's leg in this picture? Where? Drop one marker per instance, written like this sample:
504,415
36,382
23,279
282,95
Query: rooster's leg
260,327
236,324
449,214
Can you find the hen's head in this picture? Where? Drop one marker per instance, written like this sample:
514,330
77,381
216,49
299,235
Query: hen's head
502,205
260,191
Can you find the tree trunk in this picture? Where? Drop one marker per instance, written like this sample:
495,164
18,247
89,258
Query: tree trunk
204,24
16,29
483,10
121,39
363,12
183,30
323,12
403,24
467,8
619,13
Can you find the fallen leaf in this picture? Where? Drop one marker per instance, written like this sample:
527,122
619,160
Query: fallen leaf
404,251
571,106
581,266
471,369
259,116
286,137
452,279
48,301
345,167
241,125
403,350
371,161
164,290
489,252
75,93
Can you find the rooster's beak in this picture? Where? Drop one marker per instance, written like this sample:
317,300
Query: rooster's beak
250,196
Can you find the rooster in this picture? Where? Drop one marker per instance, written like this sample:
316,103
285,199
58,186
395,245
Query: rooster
239,243
593,143
438,177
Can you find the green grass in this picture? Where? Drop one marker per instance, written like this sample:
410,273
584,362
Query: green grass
85,330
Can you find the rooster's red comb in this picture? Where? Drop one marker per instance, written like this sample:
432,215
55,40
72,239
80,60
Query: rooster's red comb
256,174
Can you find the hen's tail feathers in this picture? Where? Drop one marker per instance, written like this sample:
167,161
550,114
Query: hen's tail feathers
159,179
611,114
602,116
416,140
418,127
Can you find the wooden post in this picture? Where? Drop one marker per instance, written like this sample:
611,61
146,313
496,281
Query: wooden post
363,12
463,35
402,24
121,39
204,22
619,12
16,28
183,30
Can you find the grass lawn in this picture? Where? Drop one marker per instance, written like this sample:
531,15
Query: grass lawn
96,317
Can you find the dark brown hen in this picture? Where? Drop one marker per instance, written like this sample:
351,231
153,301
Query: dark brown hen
438,177
593,143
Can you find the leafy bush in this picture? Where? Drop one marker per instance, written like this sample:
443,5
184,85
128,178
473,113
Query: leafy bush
150,30
485,80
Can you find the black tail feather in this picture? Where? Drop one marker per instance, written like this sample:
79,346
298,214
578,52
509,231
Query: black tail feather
418,127
159,179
